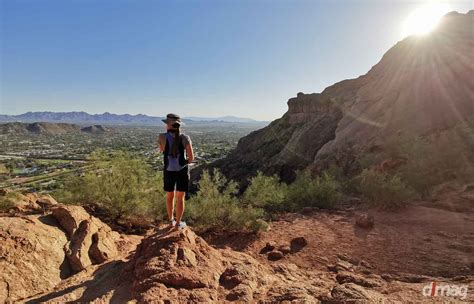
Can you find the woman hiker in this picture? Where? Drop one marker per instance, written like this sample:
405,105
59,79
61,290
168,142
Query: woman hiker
177,154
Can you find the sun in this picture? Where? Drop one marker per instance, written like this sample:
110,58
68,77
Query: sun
424,19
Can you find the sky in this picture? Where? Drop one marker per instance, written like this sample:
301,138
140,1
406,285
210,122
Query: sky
196,58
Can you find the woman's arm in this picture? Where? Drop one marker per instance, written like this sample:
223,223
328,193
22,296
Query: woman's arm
161,143
189,152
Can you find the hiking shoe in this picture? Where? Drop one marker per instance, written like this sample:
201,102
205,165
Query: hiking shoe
181,225
172,223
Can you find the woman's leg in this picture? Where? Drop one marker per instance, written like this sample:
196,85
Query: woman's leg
170,204
179,205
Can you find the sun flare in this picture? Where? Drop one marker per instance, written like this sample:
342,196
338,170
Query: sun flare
424,19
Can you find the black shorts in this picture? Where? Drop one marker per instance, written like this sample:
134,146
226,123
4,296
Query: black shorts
178,180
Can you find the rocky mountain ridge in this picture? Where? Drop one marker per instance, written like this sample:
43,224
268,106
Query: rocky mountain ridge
423,86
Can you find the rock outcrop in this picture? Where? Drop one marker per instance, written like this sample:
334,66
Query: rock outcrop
90,240
38,251
421,87
32,258
179,266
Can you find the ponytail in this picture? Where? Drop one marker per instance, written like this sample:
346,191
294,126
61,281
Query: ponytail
176,133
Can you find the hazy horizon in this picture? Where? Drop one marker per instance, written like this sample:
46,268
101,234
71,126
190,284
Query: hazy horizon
191,117
207,59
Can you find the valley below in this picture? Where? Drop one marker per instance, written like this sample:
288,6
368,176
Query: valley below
41,159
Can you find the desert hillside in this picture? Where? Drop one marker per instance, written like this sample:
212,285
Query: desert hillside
421,88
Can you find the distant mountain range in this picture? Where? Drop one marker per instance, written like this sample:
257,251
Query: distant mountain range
114,119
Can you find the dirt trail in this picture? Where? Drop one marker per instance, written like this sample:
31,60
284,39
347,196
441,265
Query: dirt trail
418,240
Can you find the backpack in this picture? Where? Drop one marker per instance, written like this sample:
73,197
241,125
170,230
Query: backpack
181,153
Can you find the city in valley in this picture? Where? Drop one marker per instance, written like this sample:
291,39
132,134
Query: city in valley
39,156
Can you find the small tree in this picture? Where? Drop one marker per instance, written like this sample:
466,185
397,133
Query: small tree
216,205
322,191
383,190
122,183
265,192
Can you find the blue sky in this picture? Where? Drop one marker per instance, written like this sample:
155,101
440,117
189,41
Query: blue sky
196,58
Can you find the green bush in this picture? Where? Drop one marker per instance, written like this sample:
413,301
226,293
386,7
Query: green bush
265,192
383,190
216,205
307,191
122,183
431,161
425,165
8,200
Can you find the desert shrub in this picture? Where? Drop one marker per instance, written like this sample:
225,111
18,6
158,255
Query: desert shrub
307,191
8,200
423,168
431,161
216,205
121,183
383,190
265,192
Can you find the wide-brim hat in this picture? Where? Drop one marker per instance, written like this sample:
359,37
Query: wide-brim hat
172,119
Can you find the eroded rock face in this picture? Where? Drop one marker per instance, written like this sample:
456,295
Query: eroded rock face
32,257
91,241
179,266
38,251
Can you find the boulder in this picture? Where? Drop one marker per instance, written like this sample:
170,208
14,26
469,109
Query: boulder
46,201
91,240
298,243
32,258
269,246
275,255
